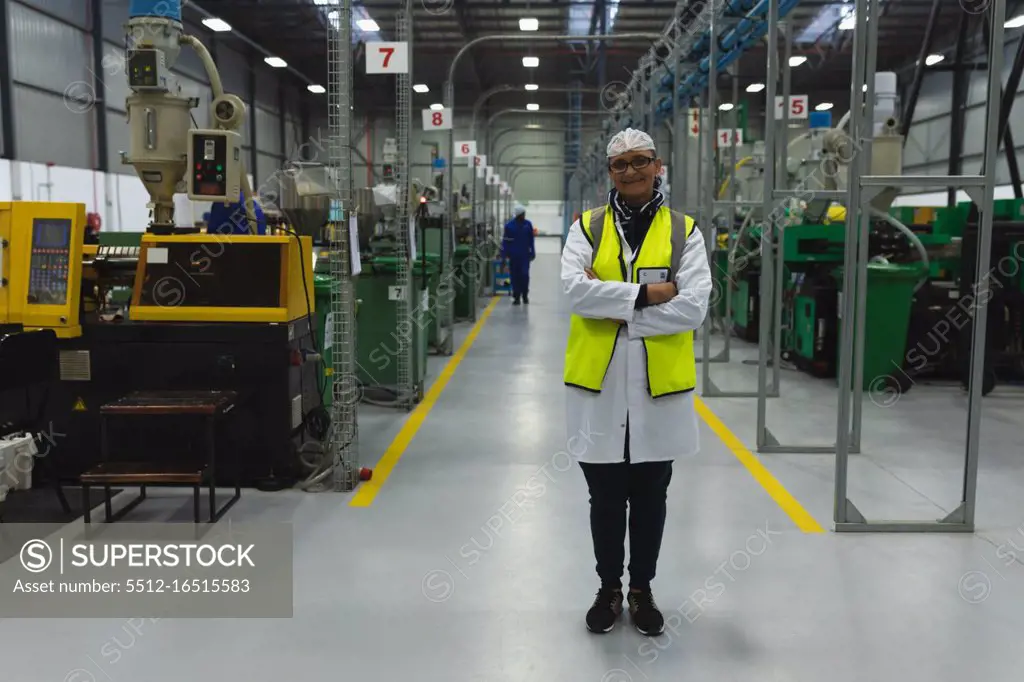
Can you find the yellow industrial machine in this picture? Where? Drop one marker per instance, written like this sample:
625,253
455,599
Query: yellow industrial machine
207,312
41,266
223,278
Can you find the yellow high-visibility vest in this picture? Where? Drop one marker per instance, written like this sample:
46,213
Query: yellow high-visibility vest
671,367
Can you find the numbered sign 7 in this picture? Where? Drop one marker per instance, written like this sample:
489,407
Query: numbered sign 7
387,58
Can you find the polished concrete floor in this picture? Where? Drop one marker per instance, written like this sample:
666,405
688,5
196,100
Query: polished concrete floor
444,578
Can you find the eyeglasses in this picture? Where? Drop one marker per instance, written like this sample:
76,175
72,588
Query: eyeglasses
621,166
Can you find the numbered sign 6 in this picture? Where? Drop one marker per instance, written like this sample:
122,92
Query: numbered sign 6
465,150
797,107
437,120
387,58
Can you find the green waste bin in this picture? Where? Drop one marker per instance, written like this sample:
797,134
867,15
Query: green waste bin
377,324
890,296
428,274
324,287
466,282
720,281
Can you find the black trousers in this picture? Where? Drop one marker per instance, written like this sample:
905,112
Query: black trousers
644,488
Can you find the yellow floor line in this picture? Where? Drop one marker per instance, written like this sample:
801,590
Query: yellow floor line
368,491
801,517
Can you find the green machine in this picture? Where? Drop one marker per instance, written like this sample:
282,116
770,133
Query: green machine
813,257
434,239
377,325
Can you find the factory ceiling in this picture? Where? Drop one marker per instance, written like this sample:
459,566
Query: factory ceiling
297,31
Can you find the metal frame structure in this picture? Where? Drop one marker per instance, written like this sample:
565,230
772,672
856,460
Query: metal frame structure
408,391
344,441
862,189
449,175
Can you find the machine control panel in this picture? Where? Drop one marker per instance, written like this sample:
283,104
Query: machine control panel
50,260
145,69
215,158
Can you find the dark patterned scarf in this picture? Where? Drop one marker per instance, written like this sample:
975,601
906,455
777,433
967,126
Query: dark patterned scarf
624,213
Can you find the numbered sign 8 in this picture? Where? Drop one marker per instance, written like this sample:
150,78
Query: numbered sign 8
797,107
465,150
387,58
440,119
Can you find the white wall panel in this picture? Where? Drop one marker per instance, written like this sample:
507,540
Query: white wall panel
292,136
118,140
48,131
46,53
115,16
266,86
267,166
115,81
234,72
268,131
75,11
194,88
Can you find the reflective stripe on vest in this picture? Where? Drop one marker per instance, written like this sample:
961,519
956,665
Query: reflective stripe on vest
671,367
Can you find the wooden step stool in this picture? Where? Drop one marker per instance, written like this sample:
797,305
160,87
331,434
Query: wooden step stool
210,406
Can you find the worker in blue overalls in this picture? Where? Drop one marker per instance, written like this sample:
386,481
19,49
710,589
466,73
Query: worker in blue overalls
517,249
231,219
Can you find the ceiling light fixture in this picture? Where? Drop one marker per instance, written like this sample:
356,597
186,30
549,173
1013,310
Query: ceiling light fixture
797,60
217,25
933,59
824,106
276,62
533,107
421,88
368,25
316,89
436,107
1016,22
725,106
531,62
755,87
532,86
529,24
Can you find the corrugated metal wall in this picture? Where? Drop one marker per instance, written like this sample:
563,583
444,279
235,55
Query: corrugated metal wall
54,87
927,148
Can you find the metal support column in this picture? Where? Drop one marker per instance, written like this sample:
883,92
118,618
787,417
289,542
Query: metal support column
710,189
922,55
862,189
6,86
344,445
99,110
408,391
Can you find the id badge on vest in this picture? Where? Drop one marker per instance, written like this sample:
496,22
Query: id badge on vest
652,275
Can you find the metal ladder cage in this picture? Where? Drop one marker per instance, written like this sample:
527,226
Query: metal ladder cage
408,390
344,441
862,189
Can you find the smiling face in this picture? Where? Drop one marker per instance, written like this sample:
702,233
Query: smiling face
633,174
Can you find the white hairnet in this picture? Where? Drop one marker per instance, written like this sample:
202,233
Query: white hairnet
519,210
630,140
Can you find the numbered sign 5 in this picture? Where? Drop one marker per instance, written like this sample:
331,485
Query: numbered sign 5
437,120
464,150
387,58
797,107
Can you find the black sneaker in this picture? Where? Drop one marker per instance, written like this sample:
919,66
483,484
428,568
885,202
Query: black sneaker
645,614
606,610
516,301
526,299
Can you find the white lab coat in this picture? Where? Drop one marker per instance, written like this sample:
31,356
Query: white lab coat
659,430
